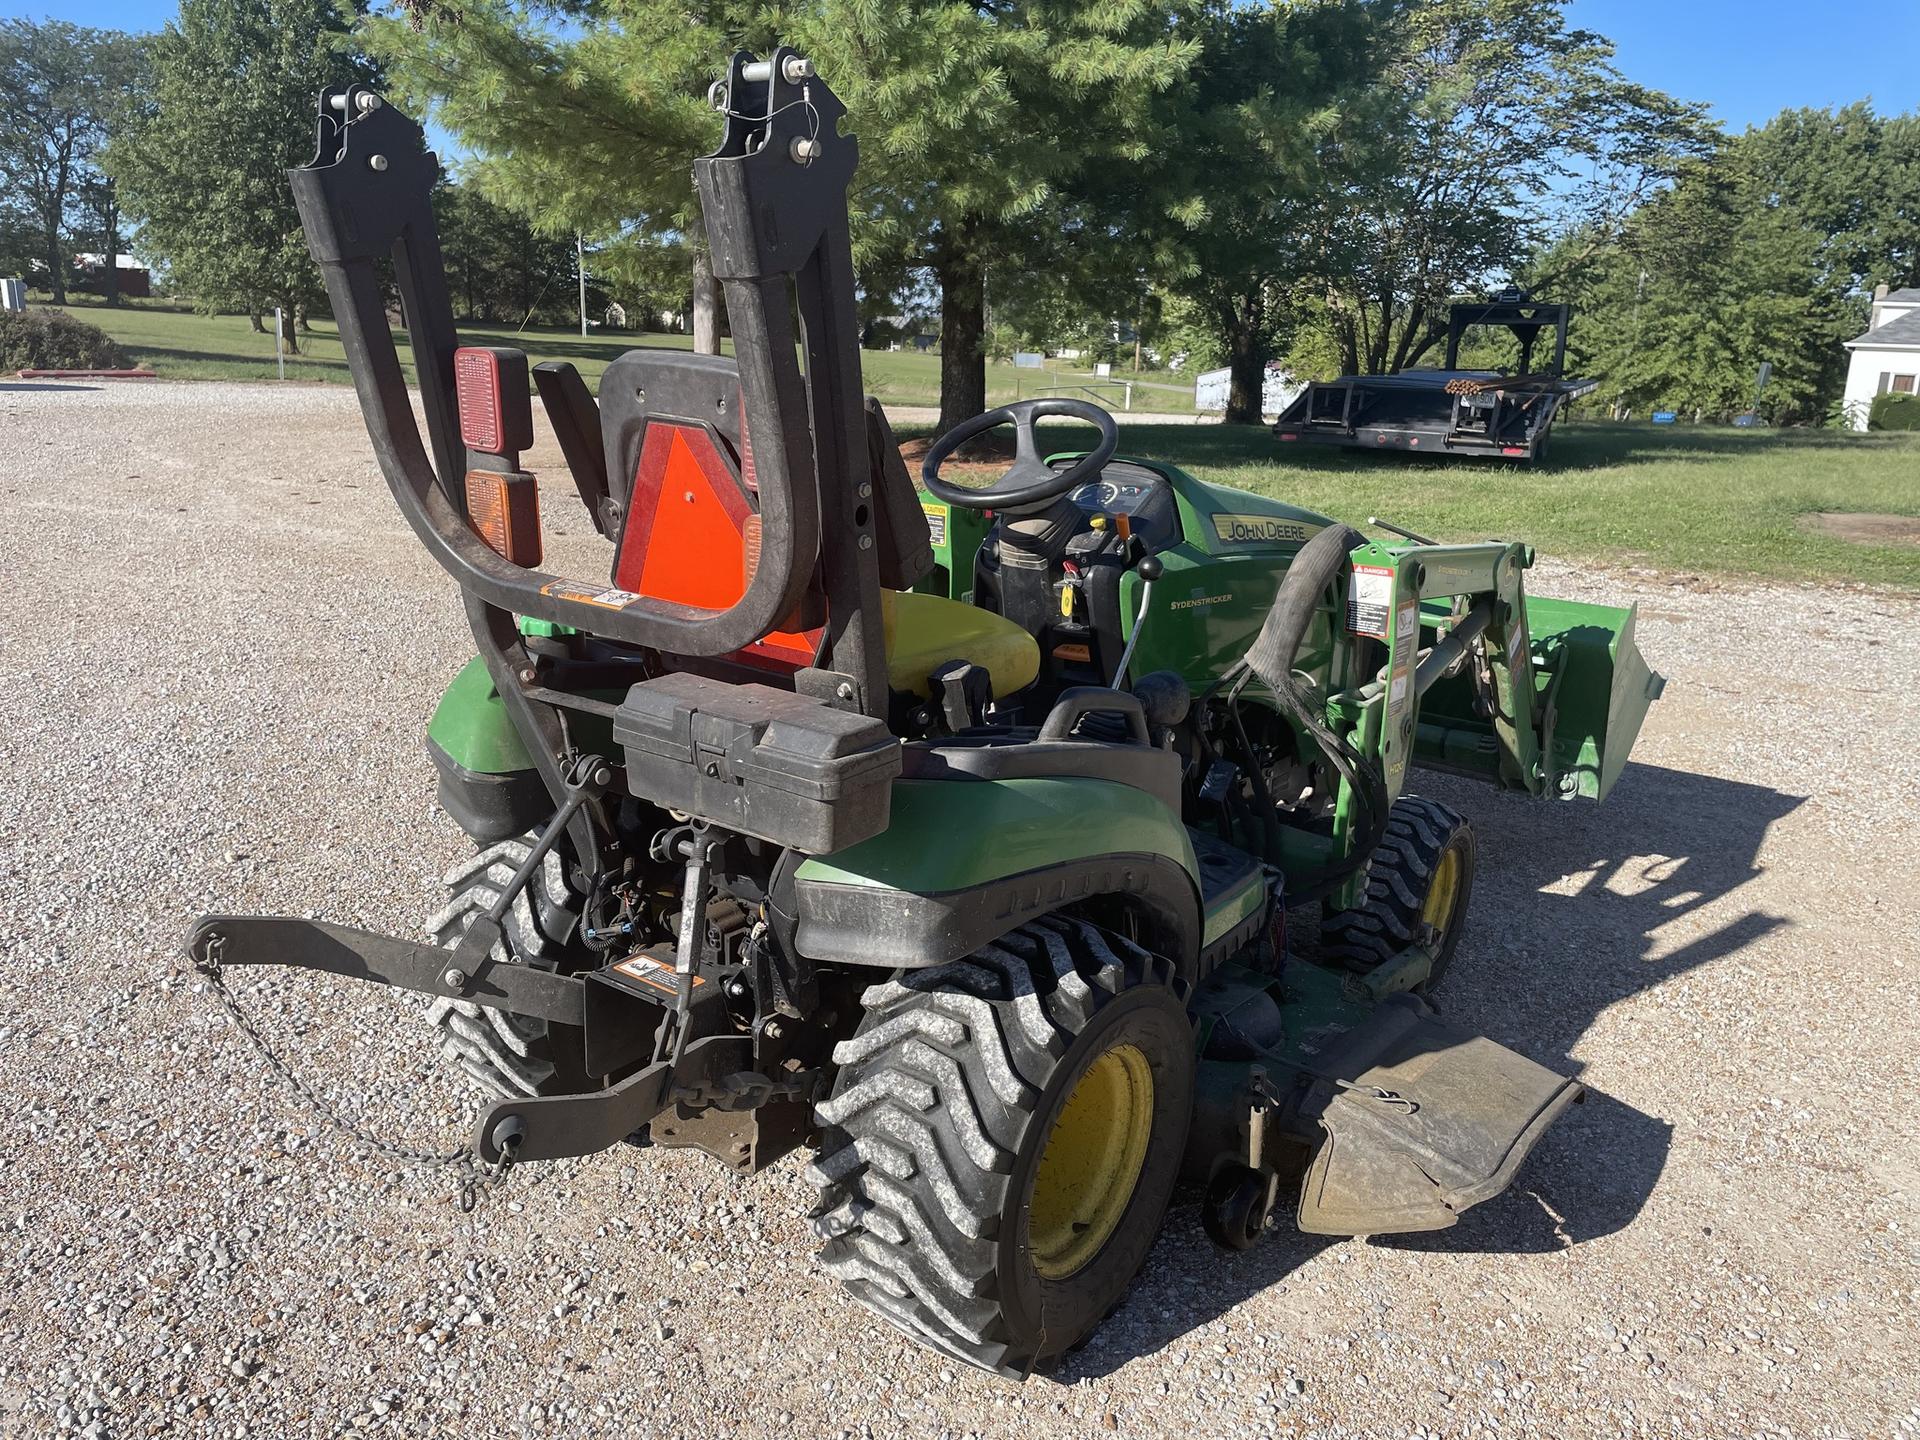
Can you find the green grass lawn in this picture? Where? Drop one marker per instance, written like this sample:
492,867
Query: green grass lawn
181,345
1687,500
1691,500
1704,500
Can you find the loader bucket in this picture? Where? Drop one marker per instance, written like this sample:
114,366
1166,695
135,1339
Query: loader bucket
1422,1121
1594,693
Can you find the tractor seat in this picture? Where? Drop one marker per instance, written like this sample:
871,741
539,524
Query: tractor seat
924,632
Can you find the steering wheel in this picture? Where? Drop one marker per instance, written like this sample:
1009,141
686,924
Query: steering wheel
1029,480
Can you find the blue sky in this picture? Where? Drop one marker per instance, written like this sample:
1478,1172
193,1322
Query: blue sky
1745,58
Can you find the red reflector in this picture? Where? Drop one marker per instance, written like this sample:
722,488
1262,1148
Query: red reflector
504,510
1513,450
496,410
693,537
1289,437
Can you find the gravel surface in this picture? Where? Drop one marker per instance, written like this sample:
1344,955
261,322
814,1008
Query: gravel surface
224,648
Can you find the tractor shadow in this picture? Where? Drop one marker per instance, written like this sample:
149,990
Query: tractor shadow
1575,907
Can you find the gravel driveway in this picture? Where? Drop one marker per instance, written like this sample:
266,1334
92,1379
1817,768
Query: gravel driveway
223,647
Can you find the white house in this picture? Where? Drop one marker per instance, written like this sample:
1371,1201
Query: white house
1887,357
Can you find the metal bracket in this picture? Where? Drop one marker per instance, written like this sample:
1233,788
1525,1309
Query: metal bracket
383,959
551,1127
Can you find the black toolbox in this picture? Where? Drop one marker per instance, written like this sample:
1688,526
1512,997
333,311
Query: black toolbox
765,762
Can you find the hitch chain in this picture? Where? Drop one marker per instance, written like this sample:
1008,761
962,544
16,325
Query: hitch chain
473,1174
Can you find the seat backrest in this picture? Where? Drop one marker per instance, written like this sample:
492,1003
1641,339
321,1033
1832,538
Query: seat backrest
900,524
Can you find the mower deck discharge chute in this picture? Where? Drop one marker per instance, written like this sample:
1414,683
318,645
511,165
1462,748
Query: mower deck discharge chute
951,832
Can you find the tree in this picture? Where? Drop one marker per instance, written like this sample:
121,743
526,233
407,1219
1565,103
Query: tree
1223,206
1764,254
498,266
1500,127
980,126
59,86
204,168
588,132
973,120
18,242
121,69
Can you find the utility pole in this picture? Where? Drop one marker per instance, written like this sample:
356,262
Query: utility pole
580,264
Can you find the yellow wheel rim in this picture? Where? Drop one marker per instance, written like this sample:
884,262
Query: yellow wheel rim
1443,892
1092,1162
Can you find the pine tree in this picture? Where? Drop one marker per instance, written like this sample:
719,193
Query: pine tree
1765,253
973,121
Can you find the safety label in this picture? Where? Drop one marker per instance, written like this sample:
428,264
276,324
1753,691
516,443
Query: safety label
653,974
1406,640
1370,600
586,594
936,523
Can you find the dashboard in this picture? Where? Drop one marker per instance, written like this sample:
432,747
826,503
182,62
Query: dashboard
1140,494
1114,496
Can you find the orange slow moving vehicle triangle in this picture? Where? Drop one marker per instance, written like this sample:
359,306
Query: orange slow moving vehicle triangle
687,534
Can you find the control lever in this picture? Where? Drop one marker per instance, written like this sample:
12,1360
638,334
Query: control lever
1149,570
1388,525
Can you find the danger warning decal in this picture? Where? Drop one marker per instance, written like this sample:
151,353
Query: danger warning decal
653,974
1370,601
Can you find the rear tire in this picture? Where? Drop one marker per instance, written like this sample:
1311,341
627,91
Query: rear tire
1002,1140
1420,878
510,1056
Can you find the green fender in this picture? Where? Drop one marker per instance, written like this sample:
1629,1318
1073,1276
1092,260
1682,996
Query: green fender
471,727
964,861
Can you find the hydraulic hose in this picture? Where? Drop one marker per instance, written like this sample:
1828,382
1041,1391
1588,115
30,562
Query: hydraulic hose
1316,567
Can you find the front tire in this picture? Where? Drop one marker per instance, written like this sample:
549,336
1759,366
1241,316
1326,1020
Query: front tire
1003,1138
1418,884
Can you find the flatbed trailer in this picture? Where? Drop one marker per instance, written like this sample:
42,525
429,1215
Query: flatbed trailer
1448,410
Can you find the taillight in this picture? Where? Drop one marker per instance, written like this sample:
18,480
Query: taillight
504,509
496,408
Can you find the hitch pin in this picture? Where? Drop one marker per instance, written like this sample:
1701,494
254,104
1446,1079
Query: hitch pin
1391,1099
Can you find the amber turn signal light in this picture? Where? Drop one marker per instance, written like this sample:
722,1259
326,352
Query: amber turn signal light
504,510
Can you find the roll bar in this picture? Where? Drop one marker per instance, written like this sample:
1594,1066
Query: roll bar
774,197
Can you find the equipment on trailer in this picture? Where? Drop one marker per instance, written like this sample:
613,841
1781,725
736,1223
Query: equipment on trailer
953,832
1451,411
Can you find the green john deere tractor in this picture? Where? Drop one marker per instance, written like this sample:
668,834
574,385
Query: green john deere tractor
949,832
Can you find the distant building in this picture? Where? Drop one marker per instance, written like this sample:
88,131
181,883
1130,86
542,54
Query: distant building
1886,359
1213,388
897,332
136,281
